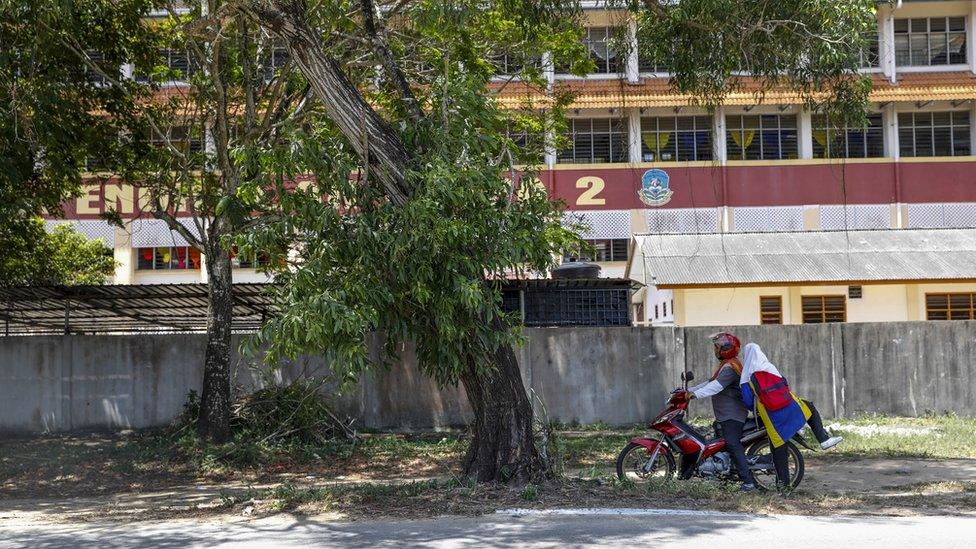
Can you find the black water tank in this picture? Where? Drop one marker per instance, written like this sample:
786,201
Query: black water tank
577,269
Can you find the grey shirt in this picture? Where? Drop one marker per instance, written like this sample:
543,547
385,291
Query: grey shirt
727,403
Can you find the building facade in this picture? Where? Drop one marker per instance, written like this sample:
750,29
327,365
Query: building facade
641,159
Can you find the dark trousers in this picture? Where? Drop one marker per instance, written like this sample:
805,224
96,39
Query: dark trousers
732,433
816,422
781,460
781,456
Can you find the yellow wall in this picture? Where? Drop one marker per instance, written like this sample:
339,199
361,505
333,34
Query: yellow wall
740,306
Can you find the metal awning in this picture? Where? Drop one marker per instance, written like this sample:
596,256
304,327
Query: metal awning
123,309
167,308
804,258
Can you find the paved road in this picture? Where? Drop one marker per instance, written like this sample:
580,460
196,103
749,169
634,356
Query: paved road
712,530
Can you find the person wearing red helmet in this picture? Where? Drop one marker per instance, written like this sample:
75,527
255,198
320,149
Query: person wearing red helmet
727,404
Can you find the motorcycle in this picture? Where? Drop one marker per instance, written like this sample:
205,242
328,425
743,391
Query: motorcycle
647,458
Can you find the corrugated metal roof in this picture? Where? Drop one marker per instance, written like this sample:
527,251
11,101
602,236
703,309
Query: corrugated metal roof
732,259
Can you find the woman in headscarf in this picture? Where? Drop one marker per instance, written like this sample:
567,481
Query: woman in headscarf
759,375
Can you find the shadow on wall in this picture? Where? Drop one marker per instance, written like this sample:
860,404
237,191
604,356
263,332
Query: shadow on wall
619,376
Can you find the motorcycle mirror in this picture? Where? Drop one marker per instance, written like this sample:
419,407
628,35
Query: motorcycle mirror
687,376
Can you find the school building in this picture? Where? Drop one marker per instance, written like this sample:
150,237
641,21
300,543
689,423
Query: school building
642,160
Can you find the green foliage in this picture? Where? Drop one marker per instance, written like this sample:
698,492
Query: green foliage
809,46
294,419
53,115
30,256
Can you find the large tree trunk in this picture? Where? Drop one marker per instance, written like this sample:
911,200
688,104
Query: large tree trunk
502,448
502,443
214,421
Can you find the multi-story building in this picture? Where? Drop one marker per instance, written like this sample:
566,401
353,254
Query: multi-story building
641,159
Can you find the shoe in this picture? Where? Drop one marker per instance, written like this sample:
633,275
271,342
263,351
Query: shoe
830,443
748,488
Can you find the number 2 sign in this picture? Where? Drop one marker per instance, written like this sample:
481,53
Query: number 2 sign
591,196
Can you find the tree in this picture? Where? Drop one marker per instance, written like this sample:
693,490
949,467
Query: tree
411,250
34,257
53,114
164,95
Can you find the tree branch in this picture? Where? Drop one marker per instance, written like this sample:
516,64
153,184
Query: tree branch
390,66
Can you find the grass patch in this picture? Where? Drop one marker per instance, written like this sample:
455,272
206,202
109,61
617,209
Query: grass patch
942,436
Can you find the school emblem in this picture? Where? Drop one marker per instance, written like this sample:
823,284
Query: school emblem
655,188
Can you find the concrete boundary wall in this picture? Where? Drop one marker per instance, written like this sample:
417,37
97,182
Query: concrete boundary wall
585,375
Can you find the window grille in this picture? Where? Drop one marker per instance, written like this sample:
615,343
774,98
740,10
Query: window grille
820,309
869,56
761,137
955,306
573,307
930,41
615,249
934,133
771,309
595,140
684,221
676,138
599,43
865,216
832,141
768,219
168,258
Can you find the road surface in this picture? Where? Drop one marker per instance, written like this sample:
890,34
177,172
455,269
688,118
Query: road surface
713,530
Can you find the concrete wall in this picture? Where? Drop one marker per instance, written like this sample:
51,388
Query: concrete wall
614,375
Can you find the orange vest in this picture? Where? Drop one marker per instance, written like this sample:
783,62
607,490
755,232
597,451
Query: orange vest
735,363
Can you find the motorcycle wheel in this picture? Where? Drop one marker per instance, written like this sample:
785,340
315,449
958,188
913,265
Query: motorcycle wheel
630,464
767,478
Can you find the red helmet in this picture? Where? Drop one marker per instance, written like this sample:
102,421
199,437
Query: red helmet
726,345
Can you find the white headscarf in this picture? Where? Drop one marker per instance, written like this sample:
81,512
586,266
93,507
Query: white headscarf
754,360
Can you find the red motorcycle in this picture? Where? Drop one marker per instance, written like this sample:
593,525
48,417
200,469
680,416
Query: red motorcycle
653,457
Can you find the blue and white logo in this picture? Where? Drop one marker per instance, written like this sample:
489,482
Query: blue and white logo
655,188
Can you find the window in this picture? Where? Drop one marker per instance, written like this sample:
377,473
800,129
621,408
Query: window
934,133
771,309
819,309
614,249
665,309
676,138
596,140
176,60
761,137
855,292
514,63
656,311
950,306
598,43
932,41
250,261
649,59
274,60
168,258
530,142
869,55
181,137
831,141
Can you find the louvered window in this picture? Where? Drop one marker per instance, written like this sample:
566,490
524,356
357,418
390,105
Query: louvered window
771,309
833,141
934,133
761,137
595,140
931,41
676,138
820,309
958,306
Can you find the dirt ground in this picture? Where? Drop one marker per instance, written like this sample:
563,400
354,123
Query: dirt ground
834,484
